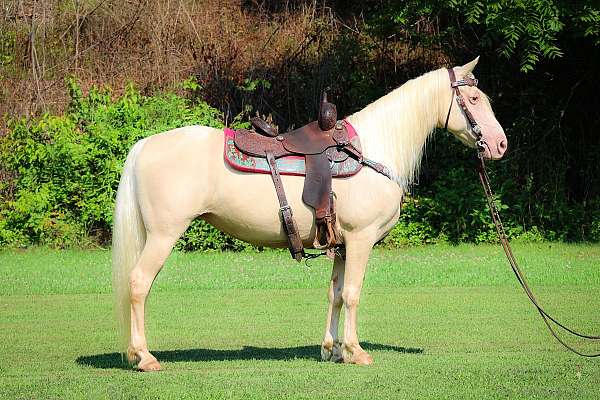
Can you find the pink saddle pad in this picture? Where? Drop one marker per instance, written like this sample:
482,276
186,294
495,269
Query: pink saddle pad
290,165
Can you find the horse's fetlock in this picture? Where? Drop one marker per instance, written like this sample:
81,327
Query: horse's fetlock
132,356
327,344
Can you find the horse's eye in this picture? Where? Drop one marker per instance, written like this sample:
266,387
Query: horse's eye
474,99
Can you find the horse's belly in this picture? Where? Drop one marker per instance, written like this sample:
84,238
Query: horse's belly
248,209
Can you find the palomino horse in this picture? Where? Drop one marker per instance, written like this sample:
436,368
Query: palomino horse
173,177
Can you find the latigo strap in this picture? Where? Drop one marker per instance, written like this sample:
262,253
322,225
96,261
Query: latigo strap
289,223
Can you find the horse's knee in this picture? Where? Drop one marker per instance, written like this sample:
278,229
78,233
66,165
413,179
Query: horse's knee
351,296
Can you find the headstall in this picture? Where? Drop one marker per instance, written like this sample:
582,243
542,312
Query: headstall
455,85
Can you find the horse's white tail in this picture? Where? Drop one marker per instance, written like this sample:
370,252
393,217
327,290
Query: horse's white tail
129,237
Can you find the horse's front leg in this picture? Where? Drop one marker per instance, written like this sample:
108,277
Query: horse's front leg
331,349
357,255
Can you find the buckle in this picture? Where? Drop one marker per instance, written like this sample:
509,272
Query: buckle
480,146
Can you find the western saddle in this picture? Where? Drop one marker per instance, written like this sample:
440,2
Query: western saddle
321,142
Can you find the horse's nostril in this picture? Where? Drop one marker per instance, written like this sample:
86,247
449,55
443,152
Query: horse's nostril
502,145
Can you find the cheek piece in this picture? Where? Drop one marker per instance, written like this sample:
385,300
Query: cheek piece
475,128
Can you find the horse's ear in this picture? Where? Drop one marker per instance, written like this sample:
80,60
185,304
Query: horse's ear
467,68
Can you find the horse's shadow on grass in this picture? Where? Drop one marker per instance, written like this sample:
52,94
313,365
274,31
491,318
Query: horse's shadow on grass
114,360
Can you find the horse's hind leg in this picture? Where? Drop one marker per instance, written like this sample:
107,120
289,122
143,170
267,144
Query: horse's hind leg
330,348
157,249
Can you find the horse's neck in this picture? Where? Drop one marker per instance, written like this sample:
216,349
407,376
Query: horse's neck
394,129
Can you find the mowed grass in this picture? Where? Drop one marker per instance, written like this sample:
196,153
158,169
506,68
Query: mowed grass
440,322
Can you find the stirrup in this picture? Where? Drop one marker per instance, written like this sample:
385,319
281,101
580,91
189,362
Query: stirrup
325,226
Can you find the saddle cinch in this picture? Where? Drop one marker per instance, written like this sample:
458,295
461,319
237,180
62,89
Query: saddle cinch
322,143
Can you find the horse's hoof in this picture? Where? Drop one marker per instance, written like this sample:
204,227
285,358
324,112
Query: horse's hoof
336,353
149,366
359,357
363,359
331,352
326,353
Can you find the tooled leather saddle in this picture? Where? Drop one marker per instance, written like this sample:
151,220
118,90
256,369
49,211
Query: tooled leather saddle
321,143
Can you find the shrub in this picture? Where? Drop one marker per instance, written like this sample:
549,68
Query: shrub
66,168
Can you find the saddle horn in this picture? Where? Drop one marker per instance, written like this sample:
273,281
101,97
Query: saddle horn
327,114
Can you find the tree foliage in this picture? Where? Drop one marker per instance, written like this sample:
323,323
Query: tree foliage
527,29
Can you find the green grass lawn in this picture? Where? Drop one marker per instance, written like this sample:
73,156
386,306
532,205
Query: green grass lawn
440,322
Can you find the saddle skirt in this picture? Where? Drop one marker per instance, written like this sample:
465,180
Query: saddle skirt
341,164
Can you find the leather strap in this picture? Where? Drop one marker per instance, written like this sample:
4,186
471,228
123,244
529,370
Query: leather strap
547,318
378,167
454,84
289,223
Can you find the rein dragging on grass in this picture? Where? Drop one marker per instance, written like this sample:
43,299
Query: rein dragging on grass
485,182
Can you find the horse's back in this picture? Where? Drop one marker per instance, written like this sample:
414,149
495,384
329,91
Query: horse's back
179,143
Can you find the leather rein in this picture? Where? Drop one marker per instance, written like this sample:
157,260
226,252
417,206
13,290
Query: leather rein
485,183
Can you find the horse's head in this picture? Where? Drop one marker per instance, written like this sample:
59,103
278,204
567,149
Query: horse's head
468,113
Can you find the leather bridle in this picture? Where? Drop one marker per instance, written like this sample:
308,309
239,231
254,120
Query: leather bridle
475,128
485,183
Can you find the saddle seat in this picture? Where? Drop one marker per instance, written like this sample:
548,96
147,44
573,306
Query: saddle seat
307,140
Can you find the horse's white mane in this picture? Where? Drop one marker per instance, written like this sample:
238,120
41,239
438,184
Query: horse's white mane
394,129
